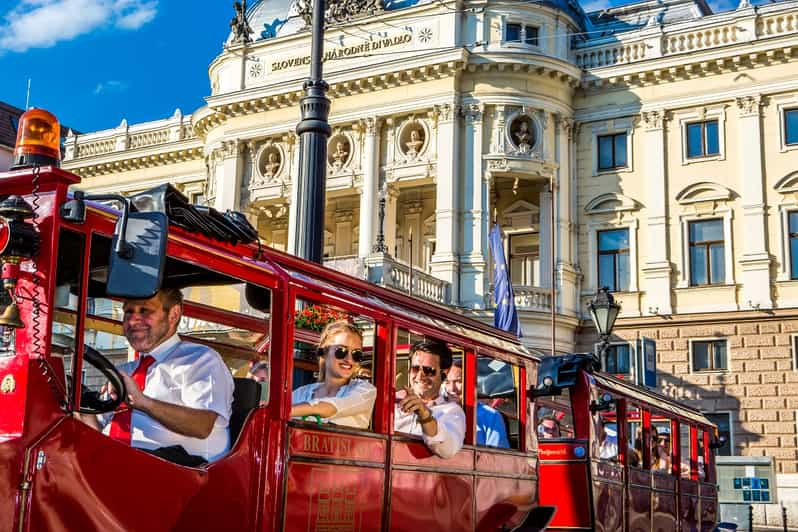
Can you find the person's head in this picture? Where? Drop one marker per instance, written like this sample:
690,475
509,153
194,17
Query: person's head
454,381
549,428
147,323
340,351
429,359
661,440
259,371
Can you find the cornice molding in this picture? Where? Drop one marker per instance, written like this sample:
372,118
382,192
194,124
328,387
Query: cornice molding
107,165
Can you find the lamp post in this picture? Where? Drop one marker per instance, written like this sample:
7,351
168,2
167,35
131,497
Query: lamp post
380,246
603,309
313,131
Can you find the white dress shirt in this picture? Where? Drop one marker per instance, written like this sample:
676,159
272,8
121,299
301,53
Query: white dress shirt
354,402
184,374
451,426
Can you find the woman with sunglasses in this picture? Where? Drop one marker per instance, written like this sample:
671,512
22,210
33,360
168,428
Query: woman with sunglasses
338,397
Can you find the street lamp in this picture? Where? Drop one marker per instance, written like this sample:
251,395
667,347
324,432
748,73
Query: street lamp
603,309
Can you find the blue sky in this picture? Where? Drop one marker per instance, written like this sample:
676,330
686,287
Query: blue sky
95,62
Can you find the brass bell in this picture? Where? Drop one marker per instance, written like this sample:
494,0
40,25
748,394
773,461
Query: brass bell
10,316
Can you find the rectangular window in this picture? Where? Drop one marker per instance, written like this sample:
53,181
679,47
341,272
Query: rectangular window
613,259
618,360
791,126
709,355
723,421
498,420
702,139
707,255
793,232
531,35
513,33
525,259
612,151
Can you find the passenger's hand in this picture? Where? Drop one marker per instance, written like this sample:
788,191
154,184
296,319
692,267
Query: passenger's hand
108,391
413,403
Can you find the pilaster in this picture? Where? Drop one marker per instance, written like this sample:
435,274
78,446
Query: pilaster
475,214
228,176
368,193
657,268
755,261
445,260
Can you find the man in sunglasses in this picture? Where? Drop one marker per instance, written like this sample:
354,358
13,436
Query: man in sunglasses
422,409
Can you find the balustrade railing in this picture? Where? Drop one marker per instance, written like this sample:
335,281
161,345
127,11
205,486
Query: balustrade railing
531,298
387,271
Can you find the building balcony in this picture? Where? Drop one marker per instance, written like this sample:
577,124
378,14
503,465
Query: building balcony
389,272
527,298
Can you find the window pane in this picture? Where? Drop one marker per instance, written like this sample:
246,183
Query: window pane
607,271
620,150
605,152
698,266
497,404
623,271
724,429
717,264
713,142
531,35
791,126
605,446
554,416
612,240
708,231
513,33
695,147
700,356
719,355
794,222
684,449
618,359
794,258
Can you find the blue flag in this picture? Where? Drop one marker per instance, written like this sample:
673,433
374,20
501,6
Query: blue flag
505,315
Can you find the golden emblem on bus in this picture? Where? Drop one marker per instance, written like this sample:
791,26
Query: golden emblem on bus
8,385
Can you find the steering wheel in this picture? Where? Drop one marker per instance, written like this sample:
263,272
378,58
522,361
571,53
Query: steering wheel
92,402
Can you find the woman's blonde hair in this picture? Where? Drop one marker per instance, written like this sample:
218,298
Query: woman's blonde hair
331,330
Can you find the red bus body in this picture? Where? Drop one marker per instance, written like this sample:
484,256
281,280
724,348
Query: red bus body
620,491
58,474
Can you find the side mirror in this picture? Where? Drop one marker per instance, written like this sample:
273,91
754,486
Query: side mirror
603,404
137,273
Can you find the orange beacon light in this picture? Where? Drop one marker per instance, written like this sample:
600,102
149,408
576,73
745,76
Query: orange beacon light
38,140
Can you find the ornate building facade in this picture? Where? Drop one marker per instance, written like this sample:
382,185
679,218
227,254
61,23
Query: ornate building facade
651,148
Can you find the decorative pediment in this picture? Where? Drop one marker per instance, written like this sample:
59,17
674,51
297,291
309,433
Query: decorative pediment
705,191
521,207
787,184
611,202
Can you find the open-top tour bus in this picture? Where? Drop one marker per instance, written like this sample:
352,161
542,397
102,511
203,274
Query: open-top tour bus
68,260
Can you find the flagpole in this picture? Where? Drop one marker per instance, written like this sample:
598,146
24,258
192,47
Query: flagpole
553,260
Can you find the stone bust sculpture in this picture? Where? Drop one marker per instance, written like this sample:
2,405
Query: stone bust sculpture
523,137
272,165
340,154
415,143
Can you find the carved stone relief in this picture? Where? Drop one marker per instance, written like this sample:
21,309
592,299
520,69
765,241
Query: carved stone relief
339,152
522,132
412,139
270,163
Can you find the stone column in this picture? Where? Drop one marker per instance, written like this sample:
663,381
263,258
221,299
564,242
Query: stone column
368,193
293,149
445,260
545,240
564,217
657,268
475,212
391,197
228,177
755,262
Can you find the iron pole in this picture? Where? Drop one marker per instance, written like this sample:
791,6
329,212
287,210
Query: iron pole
313,131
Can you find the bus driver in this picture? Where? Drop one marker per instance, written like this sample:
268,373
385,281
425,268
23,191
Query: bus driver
180,394
422,409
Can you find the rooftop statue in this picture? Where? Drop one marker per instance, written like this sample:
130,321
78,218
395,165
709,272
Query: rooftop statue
339,10
239,25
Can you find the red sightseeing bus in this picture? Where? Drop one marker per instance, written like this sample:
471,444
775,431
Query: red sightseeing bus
68,259
631,459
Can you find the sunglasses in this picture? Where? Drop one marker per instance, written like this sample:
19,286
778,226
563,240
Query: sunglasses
340,352
428,371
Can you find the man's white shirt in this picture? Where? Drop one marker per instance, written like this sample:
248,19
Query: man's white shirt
184,374
451,426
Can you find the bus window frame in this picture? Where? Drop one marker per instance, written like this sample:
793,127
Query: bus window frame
674,446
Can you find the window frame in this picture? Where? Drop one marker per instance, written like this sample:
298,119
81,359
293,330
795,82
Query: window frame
522,41
786,132
730,440
612,127
631,354
704,138
510,256
593,228
615,165
702,115
707,246
615,253
785,104
726,214
710,355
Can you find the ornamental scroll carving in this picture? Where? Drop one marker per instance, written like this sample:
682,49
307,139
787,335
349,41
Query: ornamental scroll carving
653,119
749,105
339,10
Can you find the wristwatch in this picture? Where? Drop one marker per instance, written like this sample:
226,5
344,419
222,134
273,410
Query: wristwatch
424,421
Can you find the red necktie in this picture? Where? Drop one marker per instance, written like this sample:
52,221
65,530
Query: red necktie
120,424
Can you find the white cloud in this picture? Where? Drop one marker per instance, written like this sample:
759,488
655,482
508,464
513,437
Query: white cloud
111,85
44,23
596,5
